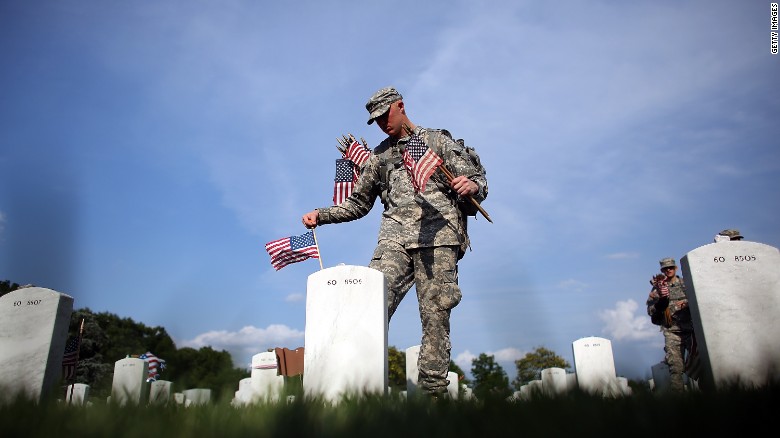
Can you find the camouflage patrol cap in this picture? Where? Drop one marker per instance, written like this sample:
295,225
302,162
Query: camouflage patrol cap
667,262
380,102
731,234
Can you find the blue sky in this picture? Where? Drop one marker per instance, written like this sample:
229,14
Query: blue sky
150,149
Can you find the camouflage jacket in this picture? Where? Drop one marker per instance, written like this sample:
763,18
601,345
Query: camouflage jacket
414,220
676,302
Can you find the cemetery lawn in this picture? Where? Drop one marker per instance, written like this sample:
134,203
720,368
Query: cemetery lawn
572,415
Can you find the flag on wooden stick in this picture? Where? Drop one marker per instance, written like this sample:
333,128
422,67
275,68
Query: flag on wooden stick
420,161
292,249
70,359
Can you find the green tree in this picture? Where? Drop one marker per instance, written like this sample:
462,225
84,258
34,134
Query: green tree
6,286
490,379
396,368
94,368
531,365
204,368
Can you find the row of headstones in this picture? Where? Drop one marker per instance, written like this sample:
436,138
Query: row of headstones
594,364
594,373
267,385
130,385
733,290
556,381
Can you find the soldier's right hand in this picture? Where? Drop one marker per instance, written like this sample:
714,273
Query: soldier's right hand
663,289
310,219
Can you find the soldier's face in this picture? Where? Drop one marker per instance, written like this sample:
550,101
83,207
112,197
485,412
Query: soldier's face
669,271
390,122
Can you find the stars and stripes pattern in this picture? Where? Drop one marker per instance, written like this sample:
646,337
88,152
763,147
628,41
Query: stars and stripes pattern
155,365
420,161
344,181
70,359
357,153
348,171
292,249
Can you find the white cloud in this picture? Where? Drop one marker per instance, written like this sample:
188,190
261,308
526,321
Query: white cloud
571,284
622,255
294,298
623,323
463,360
509,354
506,357
248,341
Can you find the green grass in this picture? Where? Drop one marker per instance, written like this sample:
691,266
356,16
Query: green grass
573,415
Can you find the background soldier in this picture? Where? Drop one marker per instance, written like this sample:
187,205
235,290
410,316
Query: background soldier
667,306
422,234
728,235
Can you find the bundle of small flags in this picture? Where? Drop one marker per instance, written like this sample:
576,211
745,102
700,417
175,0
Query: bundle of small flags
353,156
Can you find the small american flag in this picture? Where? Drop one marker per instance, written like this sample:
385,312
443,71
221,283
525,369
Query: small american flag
344,181
421,162
155,363
292,249
70,359
357,153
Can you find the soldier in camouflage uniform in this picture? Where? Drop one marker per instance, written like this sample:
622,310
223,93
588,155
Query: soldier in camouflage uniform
667,306
422,235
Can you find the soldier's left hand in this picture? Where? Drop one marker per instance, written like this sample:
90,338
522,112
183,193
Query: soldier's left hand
464,186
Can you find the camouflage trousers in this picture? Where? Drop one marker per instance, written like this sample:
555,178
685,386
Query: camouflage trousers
677,344
434,272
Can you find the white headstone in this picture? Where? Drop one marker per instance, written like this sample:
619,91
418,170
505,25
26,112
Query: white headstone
536,388
554,381
525,392
77,394
346,333
160,392
178,397
197,396
33,331
452,385
244,396
733,290
266,383
594,364
130,385
467,392
412,371
662,380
